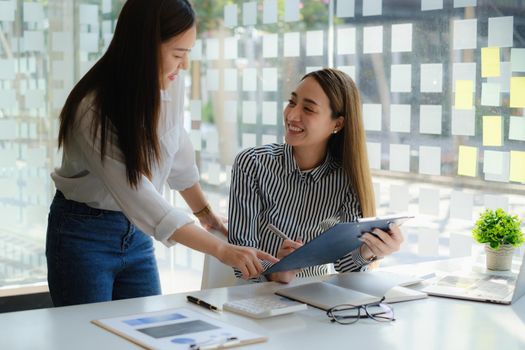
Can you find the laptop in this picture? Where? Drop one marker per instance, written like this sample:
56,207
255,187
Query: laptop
487,287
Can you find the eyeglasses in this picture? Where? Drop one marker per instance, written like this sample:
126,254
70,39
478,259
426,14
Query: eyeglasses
348,314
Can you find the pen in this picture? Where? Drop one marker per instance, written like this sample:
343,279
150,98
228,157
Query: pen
229,342
277,231
202,303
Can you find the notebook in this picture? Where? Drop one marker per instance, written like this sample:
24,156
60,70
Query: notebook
487,287
354,288
332,244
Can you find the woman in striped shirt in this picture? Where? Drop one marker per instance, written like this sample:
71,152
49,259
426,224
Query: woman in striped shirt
318,178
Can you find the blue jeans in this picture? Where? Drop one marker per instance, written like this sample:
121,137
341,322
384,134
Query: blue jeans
96,255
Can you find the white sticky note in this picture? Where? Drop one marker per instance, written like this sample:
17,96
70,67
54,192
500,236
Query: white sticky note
230,48
349,70
429,160
88,42
291,46
431,77
212,79
504,79
249,13
461,205
492,201
505,170
465,34
212,141
314,43
59,96
493,162
517,60
399,198
463,122
249,112
8,129
269,82
34,99
345,41
8,158
34,40
291,10
87,14
372,7
402,37
249,79
270,11
62,70
400,116
230,111
230,16
106,6
401,78
269,112
463,71
196,50
460,245
33,12
490,94
430,119
501,30
212,49
8,99
374,154
7,11
428,242
196,140
230,79
517,128
249,140
465,3
373,39
429,199
269,45
196,110
7,69
372,116
400,158
345,8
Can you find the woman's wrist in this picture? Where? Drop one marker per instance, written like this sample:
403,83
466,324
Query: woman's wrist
203,212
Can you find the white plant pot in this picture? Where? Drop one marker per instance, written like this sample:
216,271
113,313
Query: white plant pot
499,259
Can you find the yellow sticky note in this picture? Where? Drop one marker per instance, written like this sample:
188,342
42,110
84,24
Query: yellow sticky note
517,92
517,166
492,135
490,62
464,89
467,161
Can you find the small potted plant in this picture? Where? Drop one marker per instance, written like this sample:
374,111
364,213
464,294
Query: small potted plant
501,234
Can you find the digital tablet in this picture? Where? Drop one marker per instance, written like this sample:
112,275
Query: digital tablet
333,244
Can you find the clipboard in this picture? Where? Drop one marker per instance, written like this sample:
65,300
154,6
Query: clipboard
333,244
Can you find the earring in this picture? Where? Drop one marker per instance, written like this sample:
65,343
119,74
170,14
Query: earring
335,131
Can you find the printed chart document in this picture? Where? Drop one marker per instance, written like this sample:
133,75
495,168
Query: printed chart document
178,329
354,288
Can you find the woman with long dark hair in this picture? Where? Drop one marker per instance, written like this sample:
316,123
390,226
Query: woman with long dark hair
121,131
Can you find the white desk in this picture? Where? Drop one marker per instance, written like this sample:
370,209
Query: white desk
433,323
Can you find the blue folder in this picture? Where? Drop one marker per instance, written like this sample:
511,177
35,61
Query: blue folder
332,244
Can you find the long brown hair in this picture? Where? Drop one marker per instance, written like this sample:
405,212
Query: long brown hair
125,83
349,145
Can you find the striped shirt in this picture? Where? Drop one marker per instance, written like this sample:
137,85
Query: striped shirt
267,187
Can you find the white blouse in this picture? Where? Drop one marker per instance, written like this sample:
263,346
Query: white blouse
82,176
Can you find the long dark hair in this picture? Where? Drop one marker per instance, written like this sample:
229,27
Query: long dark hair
125,83
349,145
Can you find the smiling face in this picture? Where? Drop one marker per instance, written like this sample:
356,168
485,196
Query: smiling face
308,117
175,55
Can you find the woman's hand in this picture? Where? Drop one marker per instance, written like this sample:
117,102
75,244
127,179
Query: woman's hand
381,243
244,259
287,247
211,221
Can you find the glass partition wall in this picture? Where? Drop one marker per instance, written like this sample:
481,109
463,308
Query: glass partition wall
443,93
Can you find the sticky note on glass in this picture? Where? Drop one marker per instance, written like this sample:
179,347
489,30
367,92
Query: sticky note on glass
517,166
464,89
467,161
490,62
492,135
517,92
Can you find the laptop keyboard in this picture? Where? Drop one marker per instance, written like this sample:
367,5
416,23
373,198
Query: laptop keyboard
497,289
